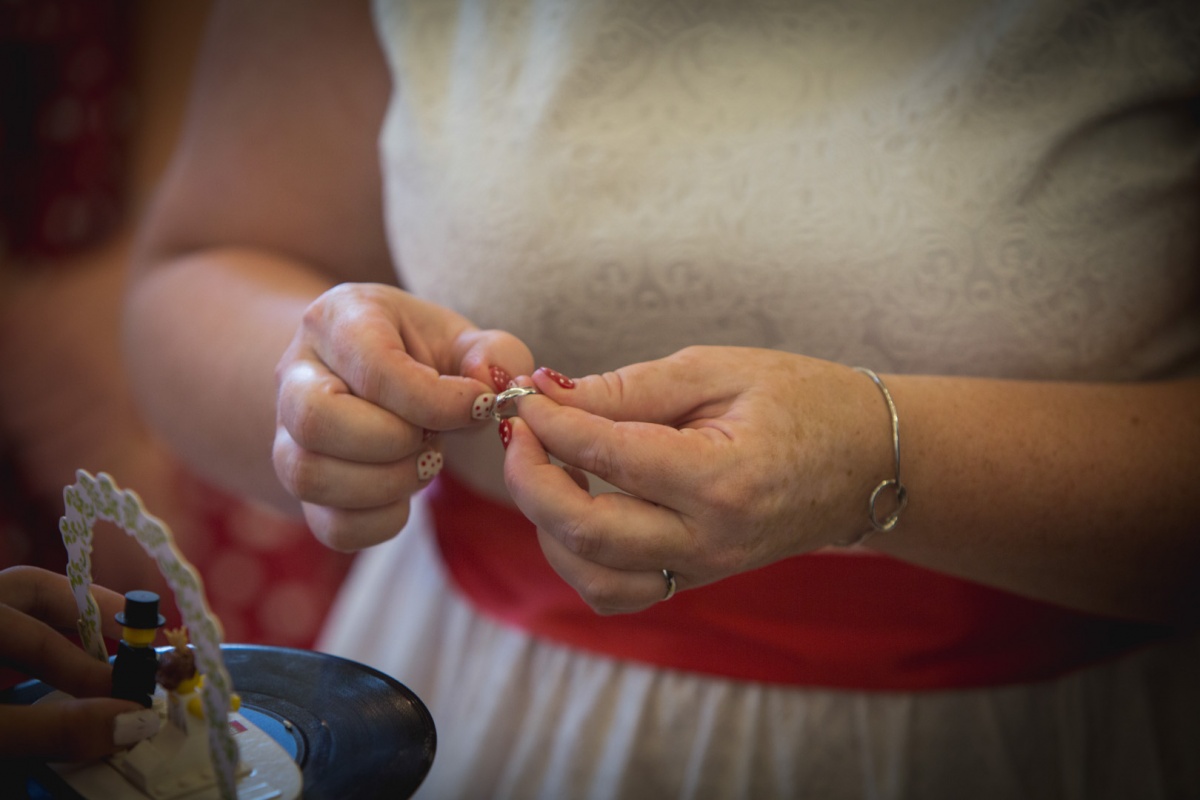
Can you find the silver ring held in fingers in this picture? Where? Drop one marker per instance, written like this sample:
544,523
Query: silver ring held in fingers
505,399
669,577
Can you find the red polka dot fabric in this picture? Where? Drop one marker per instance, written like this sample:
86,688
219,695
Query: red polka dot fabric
267,578
66,116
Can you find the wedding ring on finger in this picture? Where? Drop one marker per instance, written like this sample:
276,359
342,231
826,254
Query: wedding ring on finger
669,577
505,406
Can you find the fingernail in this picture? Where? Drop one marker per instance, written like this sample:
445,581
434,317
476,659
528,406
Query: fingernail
505,433
427,434
429,464
500,378
557,377
483,405
133,726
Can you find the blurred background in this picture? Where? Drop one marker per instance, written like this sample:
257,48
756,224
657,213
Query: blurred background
92,93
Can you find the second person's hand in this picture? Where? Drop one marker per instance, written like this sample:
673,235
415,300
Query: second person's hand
36,606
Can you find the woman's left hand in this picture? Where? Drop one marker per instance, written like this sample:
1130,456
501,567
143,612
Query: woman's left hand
732,459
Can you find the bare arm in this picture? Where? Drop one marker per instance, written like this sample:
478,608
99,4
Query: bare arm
273,197
1082,494
266,335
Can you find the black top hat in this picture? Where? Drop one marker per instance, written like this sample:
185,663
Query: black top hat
141,611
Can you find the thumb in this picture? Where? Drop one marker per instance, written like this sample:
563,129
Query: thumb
73,729
492,356
669,391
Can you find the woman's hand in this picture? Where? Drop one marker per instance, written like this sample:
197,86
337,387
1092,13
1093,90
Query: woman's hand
370,377
35,605
735,458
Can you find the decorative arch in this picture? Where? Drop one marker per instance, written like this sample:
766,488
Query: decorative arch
91,498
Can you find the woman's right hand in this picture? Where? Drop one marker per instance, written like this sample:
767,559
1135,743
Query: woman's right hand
369,379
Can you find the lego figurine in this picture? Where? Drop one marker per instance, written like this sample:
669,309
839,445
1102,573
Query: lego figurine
177,667
178,675
136,663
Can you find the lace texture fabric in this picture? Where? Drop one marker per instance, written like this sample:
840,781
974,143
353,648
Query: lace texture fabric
991,188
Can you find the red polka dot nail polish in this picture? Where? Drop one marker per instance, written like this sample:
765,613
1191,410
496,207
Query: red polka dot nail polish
483,405
500,378
557,377
429,464
505,433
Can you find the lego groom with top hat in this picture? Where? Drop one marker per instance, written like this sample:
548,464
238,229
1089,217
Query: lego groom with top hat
137,661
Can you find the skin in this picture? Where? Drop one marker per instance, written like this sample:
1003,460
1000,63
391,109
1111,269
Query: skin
35,605
260,260
1074,493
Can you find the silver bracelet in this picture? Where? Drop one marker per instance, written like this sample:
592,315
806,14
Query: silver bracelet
888,522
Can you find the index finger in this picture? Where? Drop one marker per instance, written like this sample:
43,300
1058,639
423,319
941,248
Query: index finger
610,529
47,596
681,388
651,461
381,371
33,648
396,351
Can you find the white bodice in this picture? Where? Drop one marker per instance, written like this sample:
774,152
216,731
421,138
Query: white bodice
1000,187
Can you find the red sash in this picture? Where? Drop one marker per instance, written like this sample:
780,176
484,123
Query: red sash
840,620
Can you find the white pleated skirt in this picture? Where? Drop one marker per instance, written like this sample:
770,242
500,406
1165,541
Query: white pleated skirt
519,717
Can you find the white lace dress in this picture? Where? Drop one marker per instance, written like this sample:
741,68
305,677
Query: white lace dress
987,187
